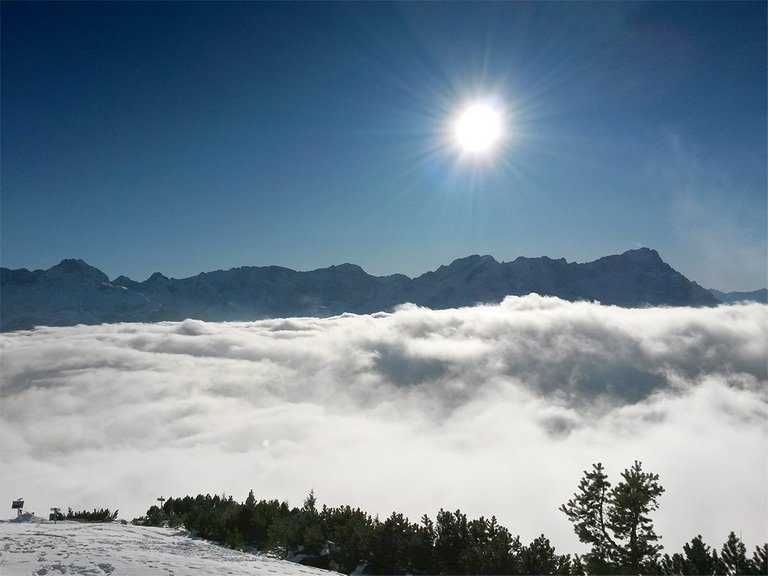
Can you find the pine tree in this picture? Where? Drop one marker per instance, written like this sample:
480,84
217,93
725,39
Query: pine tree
698,558
311,534
310,502
615,521
539,557
577,566
504,549
587,511
490,549
395,547
631,502
451,541
672,565
350,532
734,556
760,560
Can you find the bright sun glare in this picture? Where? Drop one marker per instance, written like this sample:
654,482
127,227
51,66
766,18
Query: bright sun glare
478,128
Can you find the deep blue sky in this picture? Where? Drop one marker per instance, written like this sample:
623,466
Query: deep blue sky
187,137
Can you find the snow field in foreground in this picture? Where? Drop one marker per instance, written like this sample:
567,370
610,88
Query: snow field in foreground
118,549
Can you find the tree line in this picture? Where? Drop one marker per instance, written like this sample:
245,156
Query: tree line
345,539
614,520
100,515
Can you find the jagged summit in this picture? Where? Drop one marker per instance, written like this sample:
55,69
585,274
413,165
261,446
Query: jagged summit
156,277
69,267
77,267
473,260
760,295
74,292
641,255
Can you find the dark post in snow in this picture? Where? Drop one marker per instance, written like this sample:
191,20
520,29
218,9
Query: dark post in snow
18,505
161,500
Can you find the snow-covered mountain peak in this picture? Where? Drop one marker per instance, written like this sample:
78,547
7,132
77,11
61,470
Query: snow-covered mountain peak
73,292
78,269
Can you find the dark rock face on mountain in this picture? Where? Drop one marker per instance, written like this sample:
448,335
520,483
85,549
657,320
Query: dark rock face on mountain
73,292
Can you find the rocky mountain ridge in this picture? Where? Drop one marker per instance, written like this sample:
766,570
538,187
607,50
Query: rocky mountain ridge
74,292
760,295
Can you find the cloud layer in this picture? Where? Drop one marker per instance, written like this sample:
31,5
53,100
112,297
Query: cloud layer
492,409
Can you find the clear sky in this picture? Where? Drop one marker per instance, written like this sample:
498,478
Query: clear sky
188,137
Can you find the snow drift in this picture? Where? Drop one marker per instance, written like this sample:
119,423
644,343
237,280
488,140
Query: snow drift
96,549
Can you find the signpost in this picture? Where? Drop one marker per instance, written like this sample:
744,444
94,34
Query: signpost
18,505
161,500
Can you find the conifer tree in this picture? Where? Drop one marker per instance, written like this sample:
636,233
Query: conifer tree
615,521
672,565
504,549
539,557
310,502
587,511
451,540
311,534
631,502
698,557
396,542
760,560
577,566
734,556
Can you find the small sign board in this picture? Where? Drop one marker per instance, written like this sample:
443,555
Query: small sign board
18,504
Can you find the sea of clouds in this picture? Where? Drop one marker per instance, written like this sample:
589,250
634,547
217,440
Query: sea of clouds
492,409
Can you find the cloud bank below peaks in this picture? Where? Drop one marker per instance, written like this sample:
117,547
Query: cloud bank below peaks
491,409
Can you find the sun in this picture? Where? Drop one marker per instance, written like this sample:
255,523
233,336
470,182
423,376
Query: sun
478,129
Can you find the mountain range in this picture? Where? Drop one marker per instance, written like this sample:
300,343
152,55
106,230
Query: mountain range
73,292
760,295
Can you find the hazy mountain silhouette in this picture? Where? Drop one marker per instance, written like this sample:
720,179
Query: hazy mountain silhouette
72,292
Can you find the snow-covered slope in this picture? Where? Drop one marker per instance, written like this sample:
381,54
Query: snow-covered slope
122,549
75,293
72,292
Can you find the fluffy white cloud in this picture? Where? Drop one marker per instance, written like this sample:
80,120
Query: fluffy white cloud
492,409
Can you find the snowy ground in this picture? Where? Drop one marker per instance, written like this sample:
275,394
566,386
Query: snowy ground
94,549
